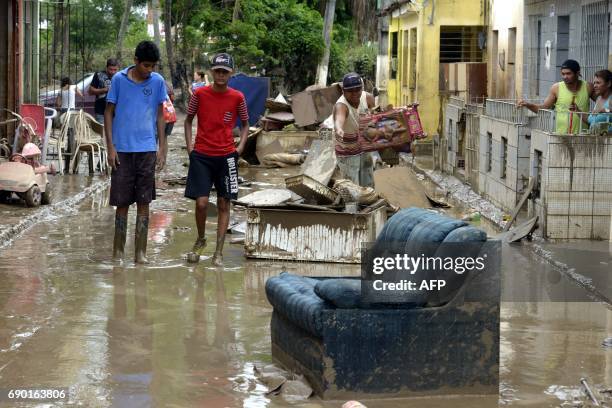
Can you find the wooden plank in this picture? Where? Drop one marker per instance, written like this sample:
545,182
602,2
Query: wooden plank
521,202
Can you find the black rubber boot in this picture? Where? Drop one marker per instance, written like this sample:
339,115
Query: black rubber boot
140,240
120,236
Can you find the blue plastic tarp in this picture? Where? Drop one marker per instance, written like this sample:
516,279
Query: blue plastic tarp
255,90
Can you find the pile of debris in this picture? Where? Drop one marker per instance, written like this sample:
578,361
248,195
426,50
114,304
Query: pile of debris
307,108
315,188
289,126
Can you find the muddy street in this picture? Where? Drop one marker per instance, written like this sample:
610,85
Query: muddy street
173,334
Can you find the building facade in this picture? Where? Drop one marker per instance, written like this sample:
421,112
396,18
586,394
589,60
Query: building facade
562,29
505,49
19,44
423,36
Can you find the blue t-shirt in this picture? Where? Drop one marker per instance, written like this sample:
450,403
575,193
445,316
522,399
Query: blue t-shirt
136,104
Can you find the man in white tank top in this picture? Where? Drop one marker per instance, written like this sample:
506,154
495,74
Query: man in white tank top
353,164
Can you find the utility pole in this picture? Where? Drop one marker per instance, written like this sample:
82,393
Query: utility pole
321,78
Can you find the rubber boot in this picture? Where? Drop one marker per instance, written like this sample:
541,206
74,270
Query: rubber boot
140,240
120,236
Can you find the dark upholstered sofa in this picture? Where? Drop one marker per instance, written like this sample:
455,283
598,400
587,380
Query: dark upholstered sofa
322,329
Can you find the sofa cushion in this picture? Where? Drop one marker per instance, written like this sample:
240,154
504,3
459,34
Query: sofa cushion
342,293
466,234
401,224
435,230
294,297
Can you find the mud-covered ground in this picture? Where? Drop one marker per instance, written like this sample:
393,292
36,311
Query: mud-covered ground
173,334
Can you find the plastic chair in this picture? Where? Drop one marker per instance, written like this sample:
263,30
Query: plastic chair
50,114
61,143
88,139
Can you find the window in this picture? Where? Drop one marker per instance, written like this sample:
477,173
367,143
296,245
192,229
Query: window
394,55
489,151
504,157
494,62
511,46
537,169
539,58
413,58
404,58
595,36
449,136
563,34
460,44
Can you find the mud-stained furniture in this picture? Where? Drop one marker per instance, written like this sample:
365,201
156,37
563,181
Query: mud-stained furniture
349,348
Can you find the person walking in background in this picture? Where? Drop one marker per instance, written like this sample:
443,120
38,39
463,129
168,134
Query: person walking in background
602,85
353,164
100,85
134,124
570,95
66,98
213,158
200,79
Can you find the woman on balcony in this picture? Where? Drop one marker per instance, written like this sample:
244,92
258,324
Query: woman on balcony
602,84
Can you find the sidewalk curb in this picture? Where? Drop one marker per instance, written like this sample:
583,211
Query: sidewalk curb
8,234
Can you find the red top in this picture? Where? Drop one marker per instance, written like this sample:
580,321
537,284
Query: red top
217,112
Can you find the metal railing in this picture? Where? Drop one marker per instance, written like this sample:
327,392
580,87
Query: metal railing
474,109
507,110
456,101
547,122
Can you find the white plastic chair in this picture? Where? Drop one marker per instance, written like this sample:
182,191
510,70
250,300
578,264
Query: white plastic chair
88,135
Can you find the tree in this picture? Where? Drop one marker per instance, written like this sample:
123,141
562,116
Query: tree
156,33
123,28
327,28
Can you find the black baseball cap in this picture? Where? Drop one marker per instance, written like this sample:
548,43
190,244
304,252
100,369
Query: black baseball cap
351,80
223,61
572,65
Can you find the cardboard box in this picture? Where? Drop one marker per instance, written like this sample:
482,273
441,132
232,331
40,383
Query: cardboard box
314,105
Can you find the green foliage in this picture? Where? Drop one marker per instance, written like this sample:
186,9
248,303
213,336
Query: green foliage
276,36
282,38
362,59
137,31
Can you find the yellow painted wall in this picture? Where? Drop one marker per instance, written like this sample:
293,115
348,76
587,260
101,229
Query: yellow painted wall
416,15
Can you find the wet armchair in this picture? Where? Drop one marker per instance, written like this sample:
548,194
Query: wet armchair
423,345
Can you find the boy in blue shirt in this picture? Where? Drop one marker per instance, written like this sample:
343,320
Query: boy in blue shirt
132,120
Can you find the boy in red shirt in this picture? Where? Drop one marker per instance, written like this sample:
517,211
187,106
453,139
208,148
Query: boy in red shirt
213,159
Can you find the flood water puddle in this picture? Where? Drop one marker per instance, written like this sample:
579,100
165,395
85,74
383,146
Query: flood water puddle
173,334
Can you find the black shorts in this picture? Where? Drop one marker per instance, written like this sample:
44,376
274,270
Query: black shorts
206,171
134,179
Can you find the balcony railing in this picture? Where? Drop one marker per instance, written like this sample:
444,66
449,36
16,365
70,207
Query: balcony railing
547,122
474,109
507,110
456,101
